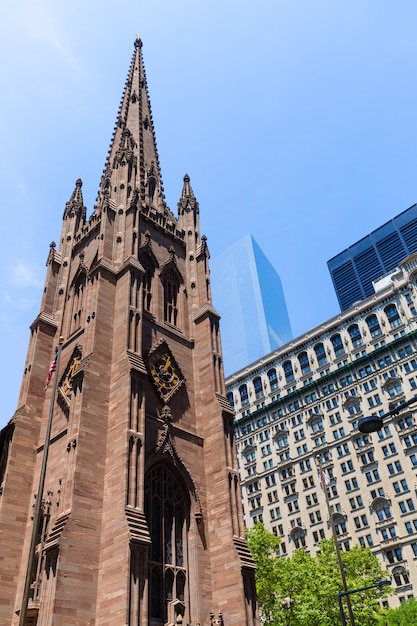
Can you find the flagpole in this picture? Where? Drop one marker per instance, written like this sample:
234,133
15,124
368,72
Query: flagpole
39,497
336,545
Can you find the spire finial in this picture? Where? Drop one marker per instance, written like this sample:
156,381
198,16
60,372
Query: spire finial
138,42
187,191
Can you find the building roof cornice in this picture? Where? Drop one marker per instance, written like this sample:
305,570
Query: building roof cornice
322,331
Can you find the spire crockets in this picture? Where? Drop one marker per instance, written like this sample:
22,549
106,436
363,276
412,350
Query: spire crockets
74,216
132,168
188,208
187,194
75,205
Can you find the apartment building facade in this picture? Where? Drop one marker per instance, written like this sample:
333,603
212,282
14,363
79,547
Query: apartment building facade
302,403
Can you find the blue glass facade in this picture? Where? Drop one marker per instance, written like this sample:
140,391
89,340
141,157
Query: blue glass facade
354,269
247,293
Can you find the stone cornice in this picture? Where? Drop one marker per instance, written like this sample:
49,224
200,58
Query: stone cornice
225,404
46,319
136,362
207,310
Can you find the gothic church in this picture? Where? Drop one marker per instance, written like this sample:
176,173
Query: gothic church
141,517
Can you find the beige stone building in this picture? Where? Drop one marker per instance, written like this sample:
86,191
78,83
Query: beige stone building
305,399
140,519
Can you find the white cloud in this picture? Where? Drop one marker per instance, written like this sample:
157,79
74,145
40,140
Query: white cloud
20,302
42,27
23,275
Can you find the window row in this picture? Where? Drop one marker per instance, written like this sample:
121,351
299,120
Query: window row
303,363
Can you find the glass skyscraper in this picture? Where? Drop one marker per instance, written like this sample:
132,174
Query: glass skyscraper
247,293
354,269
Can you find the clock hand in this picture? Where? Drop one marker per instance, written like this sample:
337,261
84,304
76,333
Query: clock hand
167,364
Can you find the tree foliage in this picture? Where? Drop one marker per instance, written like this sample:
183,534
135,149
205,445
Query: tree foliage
404,615
302,589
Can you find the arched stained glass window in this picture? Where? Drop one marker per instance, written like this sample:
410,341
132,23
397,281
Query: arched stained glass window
78,291
171,290
167,514
147,281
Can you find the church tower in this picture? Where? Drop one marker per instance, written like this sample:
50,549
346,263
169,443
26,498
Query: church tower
140,519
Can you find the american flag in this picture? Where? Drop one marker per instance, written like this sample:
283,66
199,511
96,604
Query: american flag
324,477
51,371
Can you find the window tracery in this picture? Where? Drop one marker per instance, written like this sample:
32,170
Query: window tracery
167,513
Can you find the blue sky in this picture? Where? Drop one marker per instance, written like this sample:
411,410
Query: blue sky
296,120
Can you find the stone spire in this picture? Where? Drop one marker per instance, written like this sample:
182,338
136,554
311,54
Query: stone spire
187,194
74,217
75,206
132,169
188,201
188,209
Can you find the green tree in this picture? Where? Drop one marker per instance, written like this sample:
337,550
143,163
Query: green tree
264,546
302,590
404,615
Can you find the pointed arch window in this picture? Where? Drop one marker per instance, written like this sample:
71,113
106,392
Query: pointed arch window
320,354
151,189
78,287
393,316
171,280
257,383
288,371
304,362
273,380
149,268
373,325
244,398
355,335
149,263
167,514
337,343
171,290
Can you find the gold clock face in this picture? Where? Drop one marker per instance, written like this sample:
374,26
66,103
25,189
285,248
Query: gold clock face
165,372
67,382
